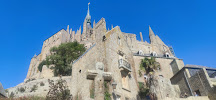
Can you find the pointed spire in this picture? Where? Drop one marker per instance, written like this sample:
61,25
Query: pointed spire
141,36
152,36
68,29
151,32
94,24
88,13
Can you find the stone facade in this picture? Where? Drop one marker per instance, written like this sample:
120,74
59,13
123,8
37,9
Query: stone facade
196,80
119,55
2,92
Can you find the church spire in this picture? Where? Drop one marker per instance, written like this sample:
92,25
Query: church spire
88,13
88,16
151,33
151,36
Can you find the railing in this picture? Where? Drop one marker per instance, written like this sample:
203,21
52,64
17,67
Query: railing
157,56
124,64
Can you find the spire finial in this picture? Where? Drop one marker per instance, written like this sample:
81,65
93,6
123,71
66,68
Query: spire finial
88,8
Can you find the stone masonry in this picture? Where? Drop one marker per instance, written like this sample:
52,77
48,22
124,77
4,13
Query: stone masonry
113,56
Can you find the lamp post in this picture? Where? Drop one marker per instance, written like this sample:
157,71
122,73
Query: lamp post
114,84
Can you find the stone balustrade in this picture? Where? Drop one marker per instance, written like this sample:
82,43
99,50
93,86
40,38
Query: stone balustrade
124,64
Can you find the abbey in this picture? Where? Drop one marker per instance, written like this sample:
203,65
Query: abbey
113,57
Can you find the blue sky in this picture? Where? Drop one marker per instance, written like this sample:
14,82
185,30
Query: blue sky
187,25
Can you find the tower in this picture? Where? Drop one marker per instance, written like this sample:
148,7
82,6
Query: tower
87,29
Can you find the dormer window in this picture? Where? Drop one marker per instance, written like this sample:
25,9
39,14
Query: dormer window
154,53
167,55
140,52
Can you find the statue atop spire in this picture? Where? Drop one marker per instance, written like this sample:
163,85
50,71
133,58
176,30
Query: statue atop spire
88,16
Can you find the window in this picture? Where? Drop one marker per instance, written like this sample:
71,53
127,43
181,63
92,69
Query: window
119,40
125,81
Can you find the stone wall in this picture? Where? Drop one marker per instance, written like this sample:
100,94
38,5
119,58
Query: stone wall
40,91
180,79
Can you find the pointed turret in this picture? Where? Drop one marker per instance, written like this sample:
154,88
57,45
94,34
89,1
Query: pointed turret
141,37
151,36
151,32
154,39
94,24
68,29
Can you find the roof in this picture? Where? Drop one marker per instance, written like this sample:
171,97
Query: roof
198,66
2,91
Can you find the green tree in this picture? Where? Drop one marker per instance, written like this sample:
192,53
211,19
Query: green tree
149,65
62,56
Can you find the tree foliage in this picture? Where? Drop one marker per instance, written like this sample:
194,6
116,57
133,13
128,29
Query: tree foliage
58,91
40,66
143,90
62,56
149,65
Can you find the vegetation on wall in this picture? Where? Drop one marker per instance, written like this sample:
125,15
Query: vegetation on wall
92,90
107,95
58,91
26,98
21,89
12,95
149,65
143,90
40,66
62,56
34,88
42,84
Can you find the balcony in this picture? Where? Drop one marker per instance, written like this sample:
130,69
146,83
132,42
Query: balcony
125,65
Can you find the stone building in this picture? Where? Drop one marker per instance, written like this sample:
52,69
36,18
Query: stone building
196,80
2,92
113,58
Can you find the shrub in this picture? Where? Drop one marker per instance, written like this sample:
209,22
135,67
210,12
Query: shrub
92,91
34,88
107,95
41,84
32,79
12,95
58,91
40,66
21,89
143,91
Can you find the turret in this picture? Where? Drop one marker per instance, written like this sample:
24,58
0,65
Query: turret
151,36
